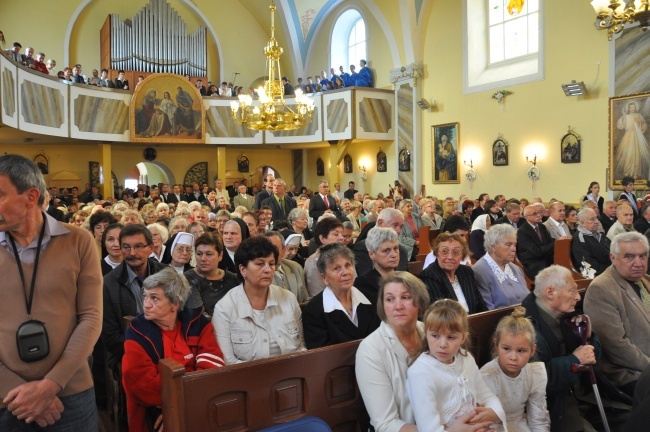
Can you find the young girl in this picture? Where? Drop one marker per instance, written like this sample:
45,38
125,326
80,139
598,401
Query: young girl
445,387
518,384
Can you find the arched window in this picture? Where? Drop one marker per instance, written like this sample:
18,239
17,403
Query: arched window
348,42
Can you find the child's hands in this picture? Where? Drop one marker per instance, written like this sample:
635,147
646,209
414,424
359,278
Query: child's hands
485,414
467,423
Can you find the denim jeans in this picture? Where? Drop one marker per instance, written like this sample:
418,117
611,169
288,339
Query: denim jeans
79,414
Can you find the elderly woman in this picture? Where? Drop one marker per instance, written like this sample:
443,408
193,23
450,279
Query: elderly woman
456,225
500,281
169,330
159,234
447,278
410,235
384,356
299,220
340,313
256,319
182,249
374,207
162,210
429,215
353,216
209,283
111,249
479,228
235,232
132,217
328,230
383,250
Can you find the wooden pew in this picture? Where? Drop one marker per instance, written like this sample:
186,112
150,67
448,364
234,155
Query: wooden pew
427,236
267,392
415,267
481,329
562,256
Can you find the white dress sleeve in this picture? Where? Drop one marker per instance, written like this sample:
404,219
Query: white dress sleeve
536,411
421,388
484,396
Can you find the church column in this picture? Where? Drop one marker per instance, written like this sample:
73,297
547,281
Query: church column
333,164
408,117
105,163
221,164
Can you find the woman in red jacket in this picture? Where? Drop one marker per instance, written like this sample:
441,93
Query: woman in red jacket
164,330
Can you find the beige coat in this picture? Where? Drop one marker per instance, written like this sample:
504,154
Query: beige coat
622,323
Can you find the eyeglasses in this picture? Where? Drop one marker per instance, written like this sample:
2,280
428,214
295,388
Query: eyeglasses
182,249
137,248
455,253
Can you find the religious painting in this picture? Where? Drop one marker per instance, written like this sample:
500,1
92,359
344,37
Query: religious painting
42,163
382,165
500,152
242,164
167,108
629,154
404,160
320,167
445,147
347,163
570,148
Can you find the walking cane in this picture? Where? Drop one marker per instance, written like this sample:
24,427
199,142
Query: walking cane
580,326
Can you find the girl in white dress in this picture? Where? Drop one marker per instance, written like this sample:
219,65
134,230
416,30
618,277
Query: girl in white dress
518,384
445,387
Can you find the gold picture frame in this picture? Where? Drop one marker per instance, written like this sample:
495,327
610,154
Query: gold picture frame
445,147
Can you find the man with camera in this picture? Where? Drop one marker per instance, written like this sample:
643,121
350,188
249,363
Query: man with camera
50,314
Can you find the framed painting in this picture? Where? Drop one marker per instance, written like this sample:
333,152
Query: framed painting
500,152
404,160
570,147
320,167
382,165
347,163
167,108
445,147
629,154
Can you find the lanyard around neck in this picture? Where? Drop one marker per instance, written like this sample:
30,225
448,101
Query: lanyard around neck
28,302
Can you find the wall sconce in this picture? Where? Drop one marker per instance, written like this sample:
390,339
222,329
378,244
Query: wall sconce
471,173
575,88
364,175
425,105
533,173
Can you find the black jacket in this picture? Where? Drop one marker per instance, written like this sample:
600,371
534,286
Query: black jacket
533,254
596,253
439,286
363,262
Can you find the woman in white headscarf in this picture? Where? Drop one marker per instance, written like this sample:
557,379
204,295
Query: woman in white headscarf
479,227
182,251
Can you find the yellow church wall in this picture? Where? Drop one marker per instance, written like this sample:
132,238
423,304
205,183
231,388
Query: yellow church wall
533,119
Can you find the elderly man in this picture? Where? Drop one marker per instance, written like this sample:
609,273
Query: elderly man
534,243
549,306
589,244
512,216
281,204
243,199
45,375
619,303
555,223
624,220
608,217
322,202
643,223
388,218
288,274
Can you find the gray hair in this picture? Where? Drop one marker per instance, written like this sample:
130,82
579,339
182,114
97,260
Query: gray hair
388,214
621,208
330,252
223,213
377,236
282,182
323,181
582,214
497,233
554,276
162,205
403,202
628,237
175,286
164,232
23,174
297,213
348,225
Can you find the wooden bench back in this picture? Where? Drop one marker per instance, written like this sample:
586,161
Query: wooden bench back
263,393
481,329
415,267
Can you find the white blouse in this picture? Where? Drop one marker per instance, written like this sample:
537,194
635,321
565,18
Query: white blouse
525,392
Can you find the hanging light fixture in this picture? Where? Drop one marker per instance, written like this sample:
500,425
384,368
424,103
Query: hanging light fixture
273,114
614,15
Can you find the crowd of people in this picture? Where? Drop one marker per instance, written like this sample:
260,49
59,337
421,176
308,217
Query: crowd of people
216,276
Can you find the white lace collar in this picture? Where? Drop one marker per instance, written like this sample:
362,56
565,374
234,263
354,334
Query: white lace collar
500,274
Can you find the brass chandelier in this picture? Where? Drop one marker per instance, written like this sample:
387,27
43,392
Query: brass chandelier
614,15
273,114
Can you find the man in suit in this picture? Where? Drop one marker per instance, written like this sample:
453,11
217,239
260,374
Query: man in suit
628,185
196,194
512,216
267,192
617,304
288,275
555,223
243,199
321,202
219,190
608,217
643,223
349,194
624,219
174,197
589,244
165,193
501,203
51,208
388,218
492,209
280,203
480,209
534,243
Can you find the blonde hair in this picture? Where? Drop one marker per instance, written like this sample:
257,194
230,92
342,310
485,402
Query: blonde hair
515,324
449,315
